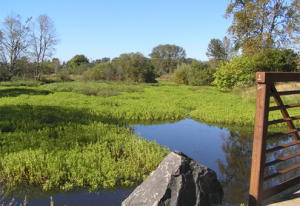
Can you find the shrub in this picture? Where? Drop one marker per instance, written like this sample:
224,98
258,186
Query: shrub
180,75
79,70
4,74
200,73
63,75
196,74
239,70
95,73
147,74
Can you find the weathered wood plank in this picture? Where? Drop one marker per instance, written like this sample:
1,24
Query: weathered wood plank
259,144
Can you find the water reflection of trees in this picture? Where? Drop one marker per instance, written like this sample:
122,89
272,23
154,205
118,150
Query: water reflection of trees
235,172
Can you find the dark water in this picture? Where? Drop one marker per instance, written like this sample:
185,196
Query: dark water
224,149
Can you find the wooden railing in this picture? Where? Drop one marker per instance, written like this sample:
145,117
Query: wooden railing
266,89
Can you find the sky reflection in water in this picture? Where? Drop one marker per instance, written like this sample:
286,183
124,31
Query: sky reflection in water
197,140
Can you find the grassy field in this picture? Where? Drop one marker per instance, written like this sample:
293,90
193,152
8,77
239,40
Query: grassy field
75,133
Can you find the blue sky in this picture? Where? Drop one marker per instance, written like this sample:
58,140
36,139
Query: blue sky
109,28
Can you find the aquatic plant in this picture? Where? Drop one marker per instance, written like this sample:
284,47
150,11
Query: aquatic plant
69,139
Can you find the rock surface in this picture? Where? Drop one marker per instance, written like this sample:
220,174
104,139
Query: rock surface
178,180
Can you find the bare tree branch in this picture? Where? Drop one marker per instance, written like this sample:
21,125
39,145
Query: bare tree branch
14,40
44,38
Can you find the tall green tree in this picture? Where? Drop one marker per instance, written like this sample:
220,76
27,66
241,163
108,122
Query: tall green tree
216,50
166,57
77,60
263,24
136,67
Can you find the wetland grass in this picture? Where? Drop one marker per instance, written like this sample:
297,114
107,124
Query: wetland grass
62,135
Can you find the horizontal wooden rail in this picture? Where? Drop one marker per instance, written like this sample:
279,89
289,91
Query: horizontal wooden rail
284,107
284,93
282,159
281,172
271,136
283,120
282,146
269,77
281,187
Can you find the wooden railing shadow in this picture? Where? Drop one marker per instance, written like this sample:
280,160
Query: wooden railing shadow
266,89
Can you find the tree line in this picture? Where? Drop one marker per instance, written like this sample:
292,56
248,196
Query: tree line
264,36
129,66
26,48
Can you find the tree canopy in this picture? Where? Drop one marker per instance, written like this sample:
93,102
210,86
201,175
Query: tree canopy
263,24
77,60
216,50
166,57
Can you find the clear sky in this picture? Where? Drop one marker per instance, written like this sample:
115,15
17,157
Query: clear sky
108,28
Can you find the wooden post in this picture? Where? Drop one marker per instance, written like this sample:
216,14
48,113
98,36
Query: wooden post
259,142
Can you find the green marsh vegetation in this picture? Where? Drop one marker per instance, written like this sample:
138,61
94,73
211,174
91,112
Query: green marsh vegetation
58,135
54,144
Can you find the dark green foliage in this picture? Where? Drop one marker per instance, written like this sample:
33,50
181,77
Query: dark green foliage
166,57
132,66
241,69
196,74
24,68
77,60
79,70
263,24
4,74
189,60
216,50
115,59
276,60
181,74
63,75
200,74
105,59
97,72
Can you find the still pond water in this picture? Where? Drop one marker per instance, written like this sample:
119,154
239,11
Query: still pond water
224,149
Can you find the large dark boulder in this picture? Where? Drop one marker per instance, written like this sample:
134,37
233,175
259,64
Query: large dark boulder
178,180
